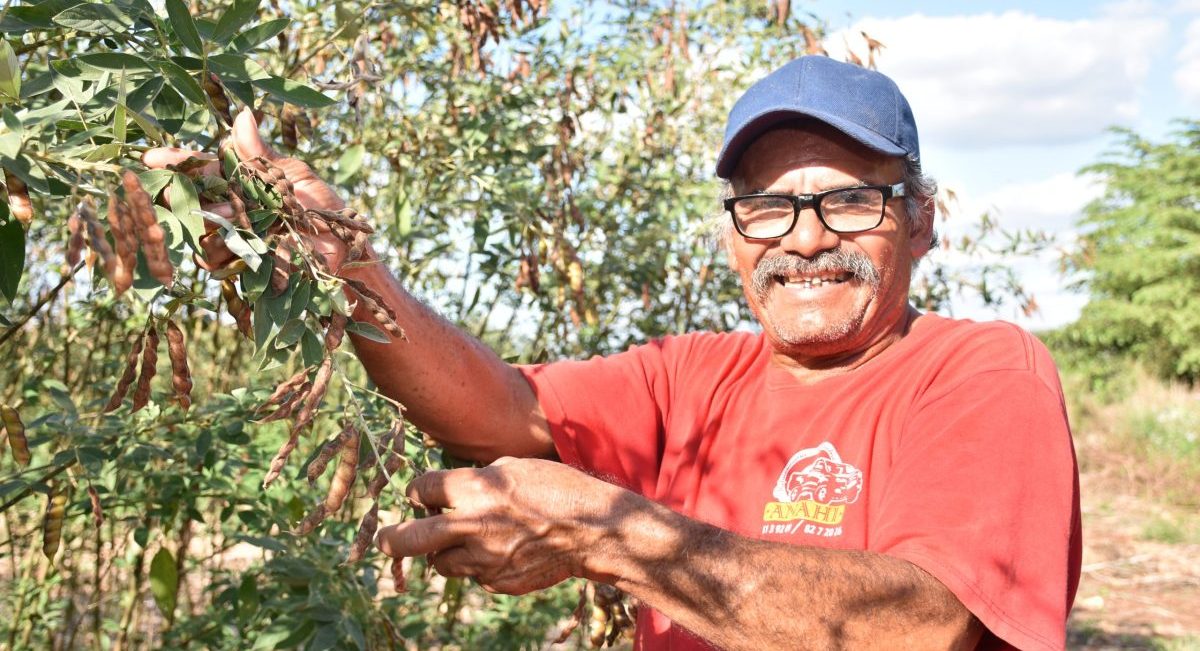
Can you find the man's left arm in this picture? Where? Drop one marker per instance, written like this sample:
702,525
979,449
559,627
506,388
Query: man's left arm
522,525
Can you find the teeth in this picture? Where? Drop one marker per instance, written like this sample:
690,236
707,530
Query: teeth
809,283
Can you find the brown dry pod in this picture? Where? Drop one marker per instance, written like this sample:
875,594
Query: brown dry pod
127,376
52,523
237,307
181,376
18,198
120,224
97,511
399,583
16,434
335,332
216,94
365,535
149,231
75,242
287,125
141,394
339,487
100,244
317,466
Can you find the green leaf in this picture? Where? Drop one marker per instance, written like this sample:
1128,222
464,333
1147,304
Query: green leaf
264,326
294,92
290,333
258,34
164,581
233,19
236,67
183,82
12,256
184,26
101,19
10,74
243,249
12,136
185,206
119,111
255,281
114,61
311,348
349,163
368,331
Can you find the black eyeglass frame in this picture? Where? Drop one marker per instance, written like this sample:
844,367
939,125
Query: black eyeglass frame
802,201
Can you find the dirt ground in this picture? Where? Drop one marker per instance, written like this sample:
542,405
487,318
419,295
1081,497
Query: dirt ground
1140,586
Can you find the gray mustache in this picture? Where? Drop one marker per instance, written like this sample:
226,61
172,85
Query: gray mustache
770,269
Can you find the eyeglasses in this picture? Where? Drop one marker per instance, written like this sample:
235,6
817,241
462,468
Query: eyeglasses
844,210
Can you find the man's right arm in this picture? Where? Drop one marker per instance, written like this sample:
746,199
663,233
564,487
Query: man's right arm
453,386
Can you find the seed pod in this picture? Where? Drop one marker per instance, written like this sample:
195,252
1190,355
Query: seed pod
120,224
284,389
238,205
392,463
128,376
575,276
18,198
288,405
237,307
311,401
576,616
281,457
141,394
16,434
75,242
97,512
399,584
597,626
287,124
52,523
149,231
181,377
99,243
216,94
339,487
365,535
376,306
335,332
317,467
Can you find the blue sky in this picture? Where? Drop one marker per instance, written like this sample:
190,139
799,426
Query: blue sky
1013,98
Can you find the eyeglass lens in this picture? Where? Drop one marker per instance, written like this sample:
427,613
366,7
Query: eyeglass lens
847,211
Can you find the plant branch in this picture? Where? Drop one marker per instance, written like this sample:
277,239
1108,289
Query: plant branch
8,334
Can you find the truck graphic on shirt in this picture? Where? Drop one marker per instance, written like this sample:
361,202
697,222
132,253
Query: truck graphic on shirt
820,475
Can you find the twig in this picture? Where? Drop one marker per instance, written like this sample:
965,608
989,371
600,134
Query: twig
29,489
8,334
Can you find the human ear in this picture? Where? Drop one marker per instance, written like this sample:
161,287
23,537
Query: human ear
920,235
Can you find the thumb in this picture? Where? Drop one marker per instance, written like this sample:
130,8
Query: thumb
247,142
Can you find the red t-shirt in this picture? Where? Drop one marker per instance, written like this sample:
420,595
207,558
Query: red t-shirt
950,450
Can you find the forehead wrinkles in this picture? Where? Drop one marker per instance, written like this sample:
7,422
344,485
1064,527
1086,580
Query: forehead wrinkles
815,157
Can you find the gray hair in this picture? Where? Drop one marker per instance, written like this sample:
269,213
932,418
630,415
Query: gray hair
920,193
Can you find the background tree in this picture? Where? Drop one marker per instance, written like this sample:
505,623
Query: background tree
1139,257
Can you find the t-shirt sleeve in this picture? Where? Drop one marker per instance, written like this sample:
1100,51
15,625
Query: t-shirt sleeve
606,413
984,495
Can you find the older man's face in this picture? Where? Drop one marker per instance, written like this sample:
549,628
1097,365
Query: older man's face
818,293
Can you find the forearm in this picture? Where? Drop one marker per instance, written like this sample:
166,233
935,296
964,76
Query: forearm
453,386
738,592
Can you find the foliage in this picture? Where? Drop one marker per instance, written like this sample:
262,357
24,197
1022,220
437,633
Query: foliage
1139,256
540,174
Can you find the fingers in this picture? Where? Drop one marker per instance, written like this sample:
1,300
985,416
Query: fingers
161,157
247,141
441,489
456,561
423,536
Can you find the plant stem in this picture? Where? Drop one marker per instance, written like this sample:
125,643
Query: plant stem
41,303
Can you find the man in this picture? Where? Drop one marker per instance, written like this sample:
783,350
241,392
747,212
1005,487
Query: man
857,475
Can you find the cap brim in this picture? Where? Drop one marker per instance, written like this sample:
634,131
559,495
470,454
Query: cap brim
732,152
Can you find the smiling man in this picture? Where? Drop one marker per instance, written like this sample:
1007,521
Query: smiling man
858,475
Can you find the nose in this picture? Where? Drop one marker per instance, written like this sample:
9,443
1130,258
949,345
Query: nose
809,236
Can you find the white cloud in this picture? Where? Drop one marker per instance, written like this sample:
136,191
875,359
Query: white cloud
1052,204
1186,7
1187,75
1014,78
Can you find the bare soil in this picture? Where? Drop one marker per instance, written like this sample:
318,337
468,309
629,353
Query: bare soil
1140,586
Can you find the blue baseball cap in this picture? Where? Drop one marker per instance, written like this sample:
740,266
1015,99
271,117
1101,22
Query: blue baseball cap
863,104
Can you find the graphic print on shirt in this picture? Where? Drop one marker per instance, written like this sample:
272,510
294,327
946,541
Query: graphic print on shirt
812,493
